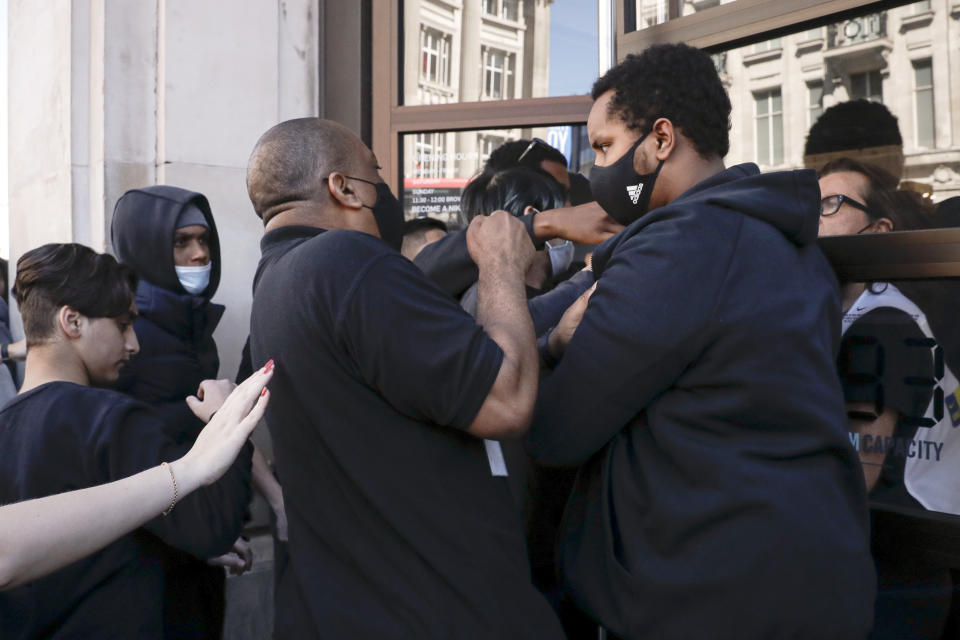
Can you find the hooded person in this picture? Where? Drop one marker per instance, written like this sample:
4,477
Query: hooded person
168,236
177,319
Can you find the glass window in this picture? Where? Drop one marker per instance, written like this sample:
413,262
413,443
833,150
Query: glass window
893,71
498,73
923,101
435,48
767,45
640,14
553,47
438,165
866,86
769,127
429,155
815,103
509,10
922,7
896,363
813,34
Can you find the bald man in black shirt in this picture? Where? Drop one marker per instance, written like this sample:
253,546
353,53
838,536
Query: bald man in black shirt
401,523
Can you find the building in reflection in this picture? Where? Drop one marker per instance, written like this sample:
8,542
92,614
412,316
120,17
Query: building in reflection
901,57
466,51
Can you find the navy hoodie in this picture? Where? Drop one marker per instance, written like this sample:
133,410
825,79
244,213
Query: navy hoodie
175,328
177,352
719,495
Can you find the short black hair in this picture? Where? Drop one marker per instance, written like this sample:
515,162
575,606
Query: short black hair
423,224
512,190
948,212
57,275
673,81
857,124
291,160
508,155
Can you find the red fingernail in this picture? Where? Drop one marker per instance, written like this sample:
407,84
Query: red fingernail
267,368
264,392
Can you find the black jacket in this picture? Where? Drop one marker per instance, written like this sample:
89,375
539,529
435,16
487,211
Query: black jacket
175,328
720,495
177,352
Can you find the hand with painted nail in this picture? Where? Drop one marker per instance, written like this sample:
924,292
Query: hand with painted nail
42,535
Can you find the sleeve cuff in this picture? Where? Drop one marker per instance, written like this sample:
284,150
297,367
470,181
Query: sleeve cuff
527,221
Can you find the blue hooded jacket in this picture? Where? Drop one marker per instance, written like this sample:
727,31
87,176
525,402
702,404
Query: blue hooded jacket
175,328
719,494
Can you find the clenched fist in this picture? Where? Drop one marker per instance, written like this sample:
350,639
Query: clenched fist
500,241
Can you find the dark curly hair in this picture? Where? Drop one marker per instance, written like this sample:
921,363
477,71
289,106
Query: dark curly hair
673,81
848,126
55,275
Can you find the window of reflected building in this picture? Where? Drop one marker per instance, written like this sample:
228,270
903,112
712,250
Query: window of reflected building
643,14
474,50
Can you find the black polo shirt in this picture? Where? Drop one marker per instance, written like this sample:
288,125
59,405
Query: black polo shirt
398,529
62,436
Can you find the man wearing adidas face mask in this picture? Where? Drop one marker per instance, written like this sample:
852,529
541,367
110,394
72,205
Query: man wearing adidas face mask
718,492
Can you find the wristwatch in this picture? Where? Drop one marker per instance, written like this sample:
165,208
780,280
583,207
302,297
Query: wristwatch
4,352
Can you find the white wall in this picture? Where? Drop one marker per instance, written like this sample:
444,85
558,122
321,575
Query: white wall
109,95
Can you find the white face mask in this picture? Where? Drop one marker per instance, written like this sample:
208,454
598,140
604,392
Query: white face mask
561,256
195,279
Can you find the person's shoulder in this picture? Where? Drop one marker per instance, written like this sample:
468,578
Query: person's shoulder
347,240
88,408
337,253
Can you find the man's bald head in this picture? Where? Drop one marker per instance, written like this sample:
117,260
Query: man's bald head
291,160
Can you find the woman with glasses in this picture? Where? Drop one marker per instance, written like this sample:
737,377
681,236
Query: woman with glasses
886,349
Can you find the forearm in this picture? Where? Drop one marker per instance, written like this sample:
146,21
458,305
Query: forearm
566,223
264,482
40,536
502,311
207,522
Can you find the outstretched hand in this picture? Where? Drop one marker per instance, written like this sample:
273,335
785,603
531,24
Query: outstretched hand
210,397
220,441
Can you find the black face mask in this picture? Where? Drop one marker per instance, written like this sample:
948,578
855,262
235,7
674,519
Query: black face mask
388,213
622,192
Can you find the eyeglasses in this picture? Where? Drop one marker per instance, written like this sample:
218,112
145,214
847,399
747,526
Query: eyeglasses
530,147
831,204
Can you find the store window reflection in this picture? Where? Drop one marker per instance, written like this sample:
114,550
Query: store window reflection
900,58
471,50
642,14
439,164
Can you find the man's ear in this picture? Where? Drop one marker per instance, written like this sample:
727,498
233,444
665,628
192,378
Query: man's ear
658,146
666,138
342,191
71,322
882,225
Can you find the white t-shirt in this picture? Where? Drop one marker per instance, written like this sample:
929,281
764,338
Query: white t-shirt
932,479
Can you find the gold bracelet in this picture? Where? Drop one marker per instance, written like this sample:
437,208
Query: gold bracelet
176,493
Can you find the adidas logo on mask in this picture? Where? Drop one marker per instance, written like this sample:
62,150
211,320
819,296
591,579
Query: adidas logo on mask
634,192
